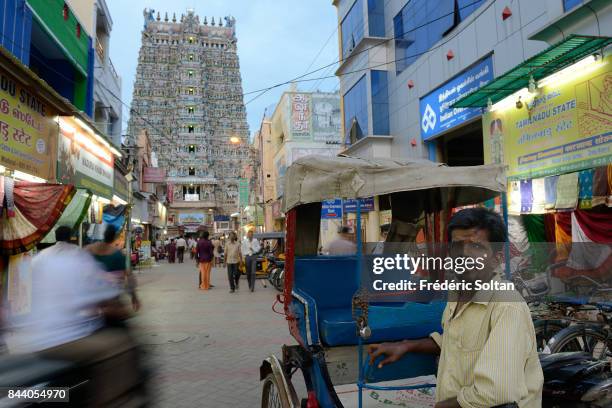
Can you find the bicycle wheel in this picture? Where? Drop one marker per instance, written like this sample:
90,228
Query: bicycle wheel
591,339
545,330
272,395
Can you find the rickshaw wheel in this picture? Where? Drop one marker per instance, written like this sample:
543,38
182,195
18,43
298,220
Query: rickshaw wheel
272,396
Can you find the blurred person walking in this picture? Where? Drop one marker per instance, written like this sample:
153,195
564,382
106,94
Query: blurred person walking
204,257
171,249
216,242
191,245
232,259
181,245
343,244
250,248
113,261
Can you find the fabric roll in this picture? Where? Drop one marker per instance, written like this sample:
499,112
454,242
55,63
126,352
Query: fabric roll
585,188
526,196
550,186
567,192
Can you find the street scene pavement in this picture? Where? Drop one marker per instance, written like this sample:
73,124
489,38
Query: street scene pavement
205,348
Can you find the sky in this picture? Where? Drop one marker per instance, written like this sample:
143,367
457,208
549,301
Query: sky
278,40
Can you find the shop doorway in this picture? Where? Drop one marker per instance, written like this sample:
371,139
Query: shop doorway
463,146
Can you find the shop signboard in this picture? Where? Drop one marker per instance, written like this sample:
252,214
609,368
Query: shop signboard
191,218
367,204
219,218
436,113
331,209
564,127
301,112
154,175
121,186
83,161
243,192
28,132
326,122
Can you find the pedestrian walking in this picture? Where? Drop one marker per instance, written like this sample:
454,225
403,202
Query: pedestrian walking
232,259
250,248
171,249
204,257
191,244
216,246
343,244
181,245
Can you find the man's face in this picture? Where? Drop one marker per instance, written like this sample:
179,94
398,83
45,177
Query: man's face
250,234
474,243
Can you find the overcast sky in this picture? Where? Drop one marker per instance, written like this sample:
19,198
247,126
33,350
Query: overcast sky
277,41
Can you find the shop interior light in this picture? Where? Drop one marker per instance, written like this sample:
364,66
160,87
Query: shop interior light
510,101
96,136
19,175
119,200
582,67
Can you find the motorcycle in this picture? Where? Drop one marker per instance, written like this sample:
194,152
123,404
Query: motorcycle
576,380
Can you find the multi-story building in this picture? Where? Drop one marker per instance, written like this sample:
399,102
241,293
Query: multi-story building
188,97
302,124
404,63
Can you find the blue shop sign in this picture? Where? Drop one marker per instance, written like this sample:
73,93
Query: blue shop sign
221,218
331,209
367,204
436,113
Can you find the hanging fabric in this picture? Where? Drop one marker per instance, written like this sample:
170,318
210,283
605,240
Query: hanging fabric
73,215
114,215
549,227
538,187
514,197
567,192
37,207
597,226
536,234
563,235
526,196
550,191
609,192
600,186
585,188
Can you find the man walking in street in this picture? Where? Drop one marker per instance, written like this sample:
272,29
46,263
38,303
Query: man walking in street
204,257
232,258
191,246
343,244
250,249
181,245
488,348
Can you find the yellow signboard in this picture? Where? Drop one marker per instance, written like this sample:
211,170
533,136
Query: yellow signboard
28,132
565,126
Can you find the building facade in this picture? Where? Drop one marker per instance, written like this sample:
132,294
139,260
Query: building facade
404,63
188,97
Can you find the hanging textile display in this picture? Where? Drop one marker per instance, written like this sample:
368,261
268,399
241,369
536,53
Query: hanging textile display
609,192
585,188
538,188
597,226
73,215
563,235
514,197
37,207
549,227
536,234
550,191
114,215
526,196
600,186
567,192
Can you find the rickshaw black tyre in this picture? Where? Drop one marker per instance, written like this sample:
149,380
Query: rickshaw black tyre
545,330
270,384
564,340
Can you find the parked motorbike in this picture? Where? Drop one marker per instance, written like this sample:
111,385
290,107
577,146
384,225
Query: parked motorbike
576,380
276,272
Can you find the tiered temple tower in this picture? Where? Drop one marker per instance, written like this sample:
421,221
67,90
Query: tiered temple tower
188,97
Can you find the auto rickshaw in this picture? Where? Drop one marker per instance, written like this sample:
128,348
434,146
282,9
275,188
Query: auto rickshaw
328,314
272,251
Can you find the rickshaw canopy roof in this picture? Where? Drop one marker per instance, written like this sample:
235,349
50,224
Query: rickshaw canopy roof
313,179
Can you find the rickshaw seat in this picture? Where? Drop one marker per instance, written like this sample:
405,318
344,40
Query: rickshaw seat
329,284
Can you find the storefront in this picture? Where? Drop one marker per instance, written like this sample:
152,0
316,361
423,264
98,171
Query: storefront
549,121
453,135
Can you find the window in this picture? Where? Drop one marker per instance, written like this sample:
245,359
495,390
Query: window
190,91
190,40
376,18
190,57
570,4
191,149
190,109
356,109
192,171
380,103
421,24
190,128
190,73
352,28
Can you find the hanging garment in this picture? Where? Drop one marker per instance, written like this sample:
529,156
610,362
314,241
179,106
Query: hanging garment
550,191
609,189
549,227
567,192
519,243
600,186
526,196
563,235
538,188
585,188
597,226
37,207
514,197
114,215
73,215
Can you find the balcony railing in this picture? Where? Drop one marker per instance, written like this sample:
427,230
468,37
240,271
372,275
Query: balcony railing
100,50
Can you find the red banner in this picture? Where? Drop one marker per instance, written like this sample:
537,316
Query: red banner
170,193
154,175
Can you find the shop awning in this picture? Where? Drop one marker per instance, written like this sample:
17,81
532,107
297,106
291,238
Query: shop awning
547,62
